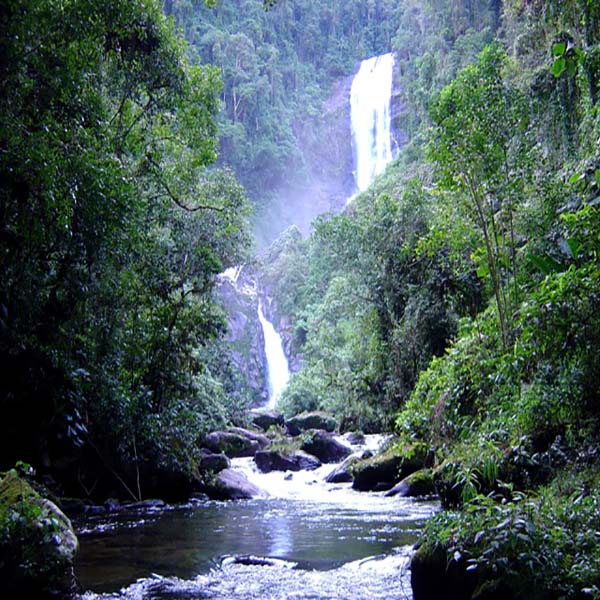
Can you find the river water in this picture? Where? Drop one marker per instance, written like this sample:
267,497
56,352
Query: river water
317,541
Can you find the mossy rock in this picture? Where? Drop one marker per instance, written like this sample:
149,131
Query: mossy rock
324,446
267,419
384,470
233,444
311,420
433,576
37,543
419,483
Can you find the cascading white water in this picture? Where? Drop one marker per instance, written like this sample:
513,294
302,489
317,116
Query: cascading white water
370,98
278,371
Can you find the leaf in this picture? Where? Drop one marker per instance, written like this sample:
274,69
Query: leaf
559,48
571,67
546,264
575,178
597,176
483,270
559,66
478,537
574,246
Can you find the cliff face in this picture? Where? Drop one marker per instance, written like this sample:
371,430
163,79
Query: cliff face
328,181
245,338
325,180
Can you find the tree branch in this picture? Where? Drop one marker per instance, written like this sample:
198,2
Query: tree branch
174,196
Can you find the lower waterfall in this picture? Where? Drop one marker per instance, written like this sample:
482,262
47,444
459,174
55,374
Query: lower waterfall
278,371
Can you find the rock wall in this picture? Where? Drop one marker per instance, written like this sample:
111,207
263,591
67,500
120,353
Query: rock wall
245,338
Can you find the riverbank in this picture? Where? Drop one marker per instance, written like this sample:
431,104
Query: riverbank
309,537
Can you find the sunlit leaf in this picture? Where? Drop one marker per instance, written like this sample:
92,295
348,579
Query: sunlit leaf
559,66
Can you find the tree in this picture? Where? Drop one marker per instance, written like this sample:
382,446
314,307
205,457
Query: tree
112,231
476,146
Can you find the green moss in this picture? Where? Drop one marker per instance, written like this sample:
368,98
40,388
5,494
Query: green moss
420,483
37,541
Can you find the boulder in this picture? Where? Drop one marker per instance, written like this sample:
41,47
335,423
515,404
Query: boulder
383,471
231,444
324,446
355,438
256,436
37,543
305,461
434,576
343,473
310,420
265,420
419,483
211,462
149,504
229,484
271,460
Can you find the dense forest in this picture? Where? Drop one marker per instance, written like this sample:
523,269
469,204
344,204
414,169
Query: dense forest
455,303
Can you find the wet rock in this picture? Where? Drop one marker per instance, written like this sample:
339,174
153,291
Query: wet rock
231,485
151,503
231,444
419,483
306,462
213,463
271,460
379,472
256,436
383,471
93,510
433,576
324,446
355,438
343,473
310,420
112,505
250,561
264,419
38,544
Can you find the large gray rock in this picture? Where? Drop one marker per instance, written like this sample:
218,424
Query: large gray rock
232,444
419,483
256,436
343,473
266,419
434,575
324,446
268,461
37,543
310,420
213,463
231,485
383,471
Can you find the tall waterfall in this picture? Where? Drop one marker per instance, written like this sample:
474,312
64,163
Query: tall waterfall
370,97
278,371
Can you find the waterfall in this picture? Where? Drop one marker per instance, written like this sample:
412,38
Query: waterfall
277,365
370,97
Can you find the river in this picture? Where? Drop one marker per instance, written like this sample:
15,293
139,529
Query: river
317,540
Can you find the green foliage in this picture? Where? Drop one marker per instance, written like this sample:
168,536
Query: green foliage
112,230
36,540
370,305
541,547
480,157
